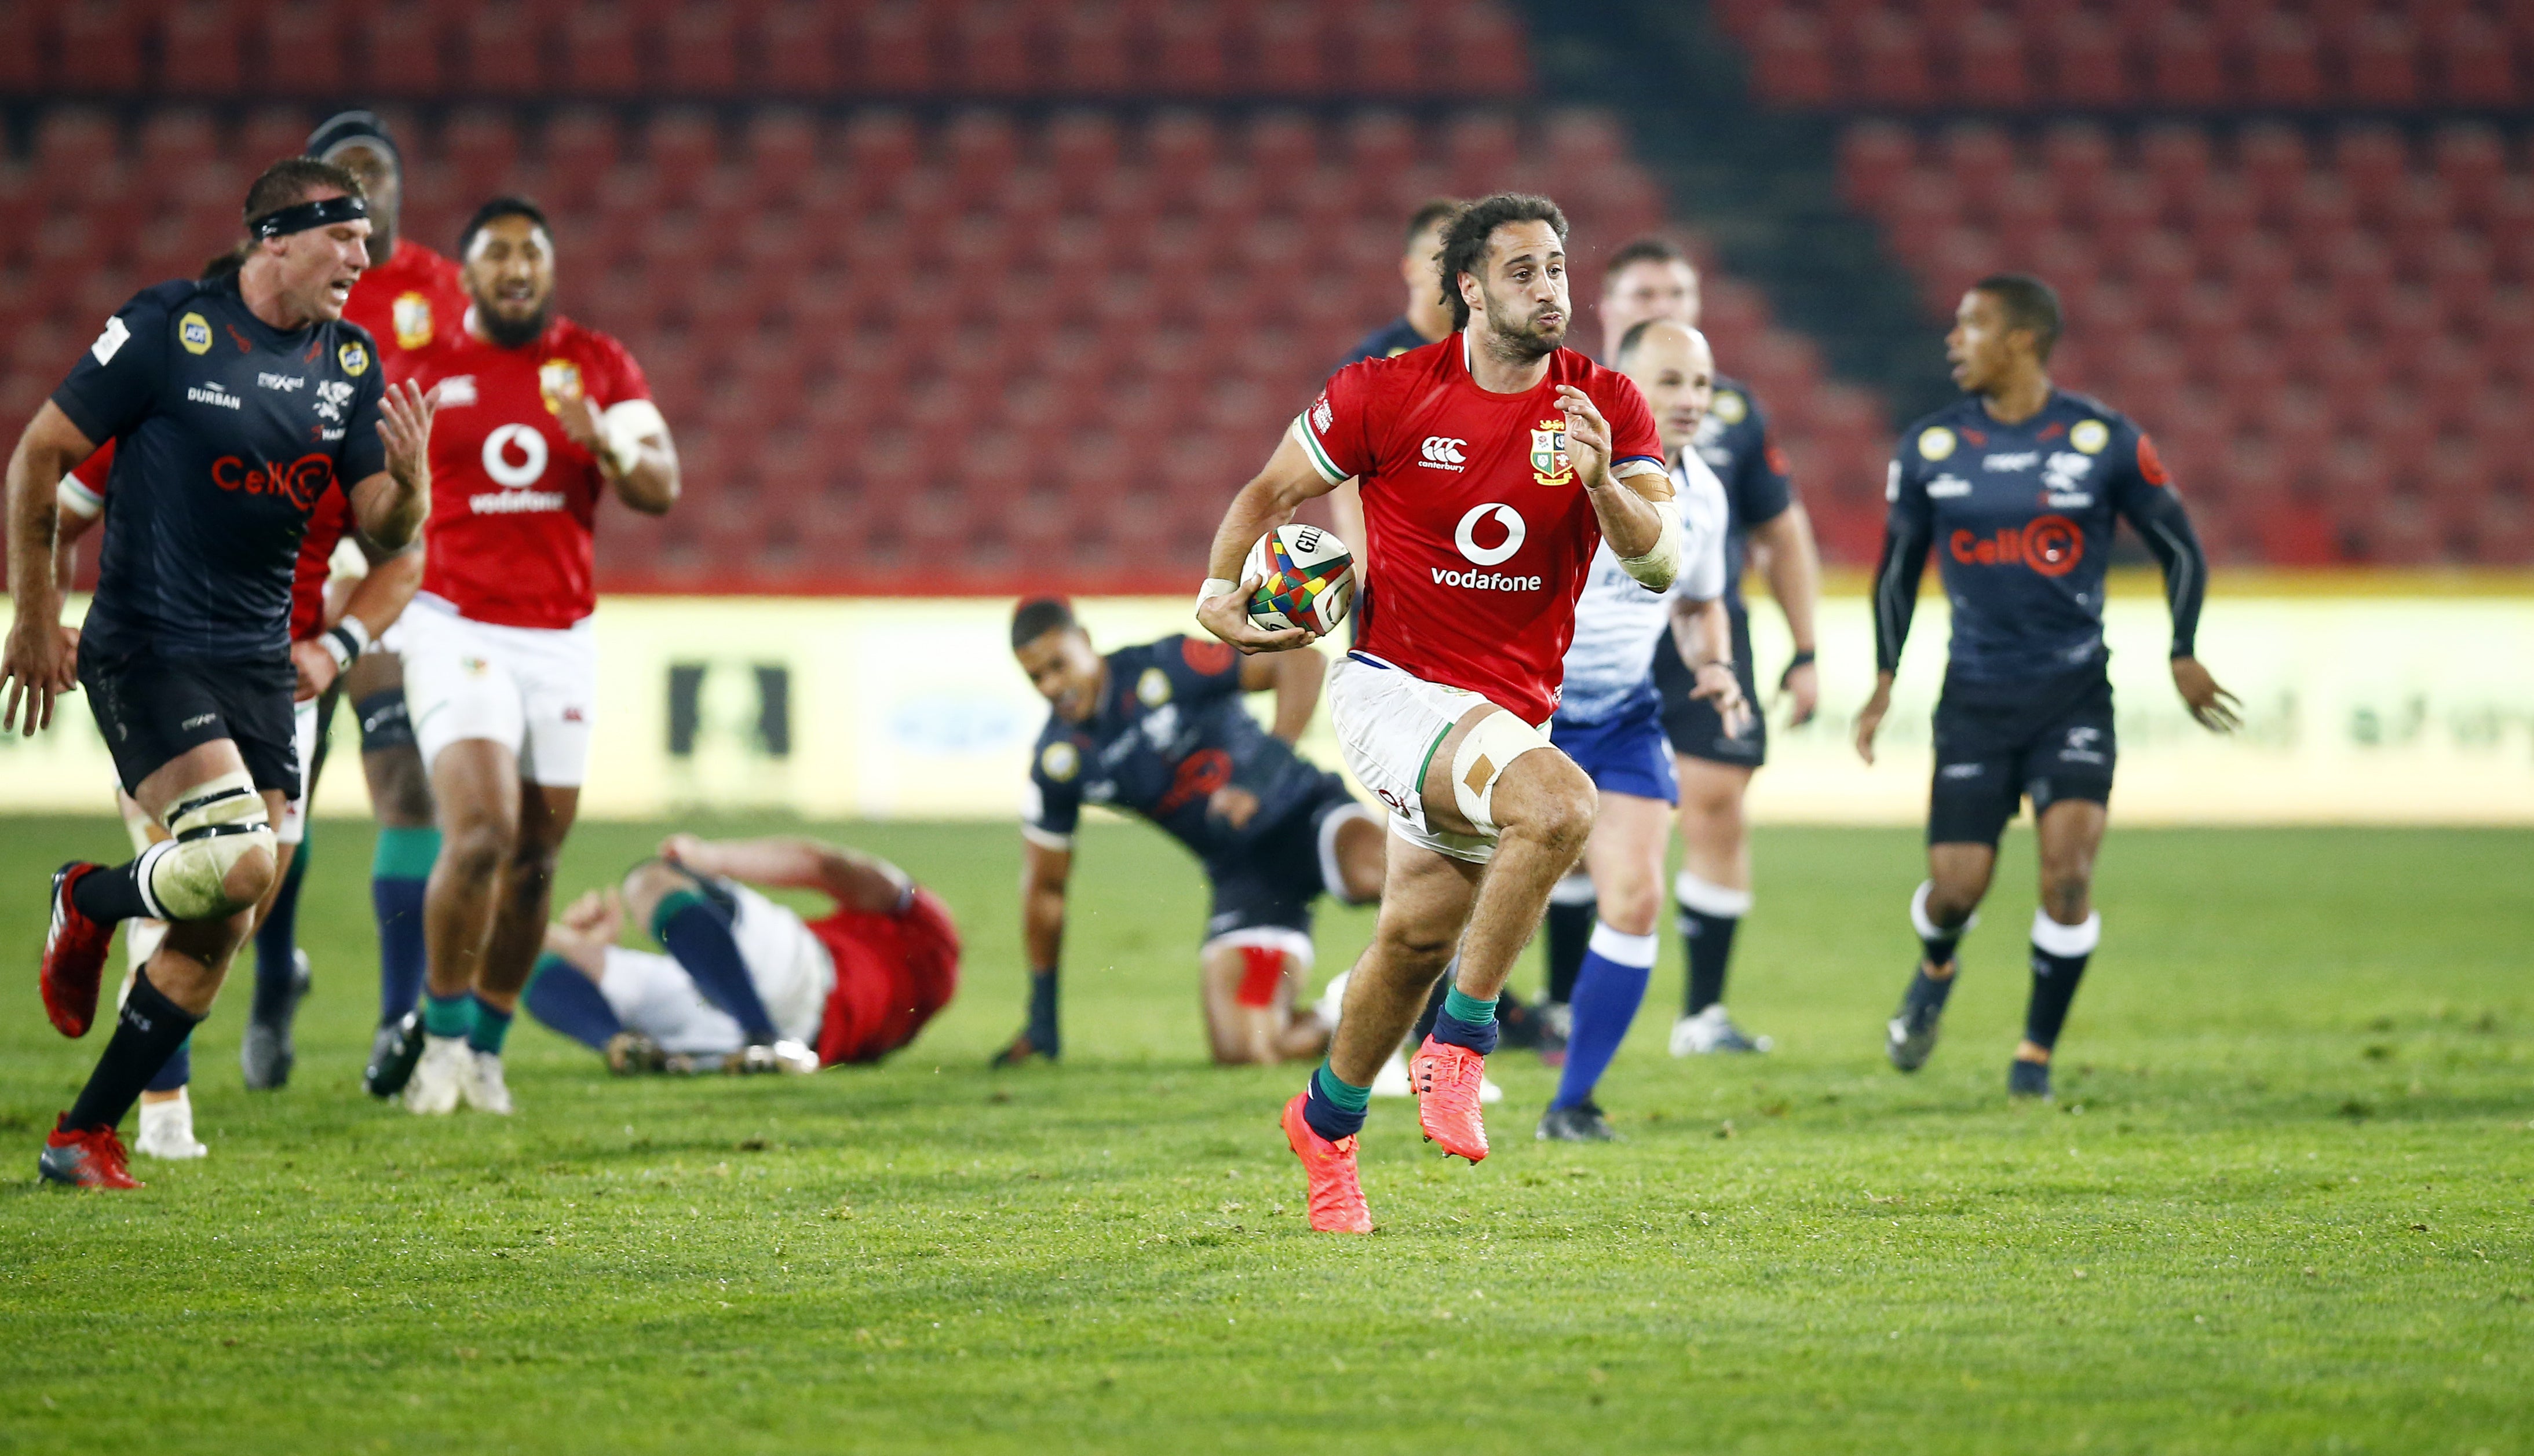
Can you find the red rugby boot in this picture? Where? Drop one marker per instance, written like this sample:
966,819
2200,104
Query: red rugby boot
1447,1080
75,952
91,1157
1336,1201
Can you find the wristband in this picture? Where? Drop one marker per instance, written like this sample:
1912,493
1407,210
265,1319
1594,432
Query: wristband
1803,658
1215,585
1725,662
346,642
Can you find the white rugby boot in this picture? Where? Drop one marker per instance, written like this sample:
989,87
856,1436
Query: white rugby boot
1712,1030
439,1078
168,1129
480,1084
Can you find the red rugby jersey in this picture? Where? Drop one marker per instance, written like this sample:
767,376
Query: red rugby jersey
513,501
410,302
1477,535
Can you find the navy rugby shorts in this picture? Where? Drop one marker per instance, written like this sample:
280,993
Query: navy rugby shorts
150,708
1997,743
1272,880
1693,724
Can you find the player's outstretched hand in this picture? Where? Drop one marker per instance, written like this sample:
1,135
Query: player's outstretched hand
1869,718
1717,684
687,849
2217,710
1226,617
1587,436
1800,683
32,664
405,423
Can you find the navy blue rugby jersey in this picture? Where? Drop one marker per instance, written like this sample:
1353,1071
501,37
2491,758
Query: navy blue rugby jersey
1170,731
1733,440
227,434
1389,341
2021,518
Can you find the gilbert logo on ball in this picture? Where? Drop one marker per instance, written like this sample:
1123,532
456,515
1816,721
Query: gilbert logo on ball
1306,580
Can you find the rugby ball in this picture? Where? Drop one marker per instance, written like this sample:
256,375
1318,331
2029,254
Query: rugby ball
1305,579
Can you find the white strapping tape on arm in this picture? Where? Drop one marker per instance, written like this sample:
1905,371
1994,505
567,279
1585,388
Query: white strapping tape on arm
1481,759
73,495
626,423
1658,567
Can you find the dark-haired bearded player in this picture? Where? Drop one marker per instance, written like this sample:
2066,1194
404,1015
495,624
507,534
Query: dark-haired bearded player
540,419
2019,488
1492,463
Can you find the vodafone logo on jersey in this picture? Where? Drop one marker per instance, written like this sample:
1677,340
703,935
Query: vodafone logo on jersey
1493,519
515,457
1441,452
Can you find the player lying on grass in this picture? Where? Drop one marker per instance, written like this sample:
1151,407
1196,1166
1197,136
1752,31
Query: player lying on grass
746,985
186,650
2019,488
1492,465
1160,730
1610,717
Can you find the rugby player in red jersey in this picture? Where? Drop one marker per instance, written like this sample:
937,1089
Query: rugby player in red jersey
409,298
541,419
853,985
1492,464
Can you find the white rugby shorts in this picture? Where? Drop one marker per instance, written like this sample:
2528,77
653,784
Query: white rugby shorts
1390,723
533,690
293,828
652,994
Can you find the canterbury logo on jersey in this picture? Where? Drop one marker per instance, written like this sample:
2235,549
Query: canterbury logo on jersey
1441,452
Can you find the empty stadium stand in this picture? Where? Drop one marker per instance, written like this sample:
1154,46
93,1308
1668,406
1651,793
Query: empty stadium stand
2332,334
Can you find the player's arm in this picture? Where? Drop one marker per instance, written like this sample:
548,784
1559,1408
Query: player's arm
1269,500
1631,497
1044,869
1791,562
390,500
852,879
1702,629
33,664
630,441
1907,534
2158,514
377,601
1296,679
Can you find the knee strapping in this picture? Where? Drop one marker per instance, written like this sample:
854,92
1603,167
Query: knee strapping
185,876
1486,752
1925,924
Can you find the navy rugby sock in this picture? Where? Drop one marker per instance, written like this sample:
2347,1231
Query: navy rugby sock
1335,1107
571,1003
1607,997
1043,1029
276,943
695,933
2059,956
147,1033
1466,1020
1567,934
111,894
179,1070
400,875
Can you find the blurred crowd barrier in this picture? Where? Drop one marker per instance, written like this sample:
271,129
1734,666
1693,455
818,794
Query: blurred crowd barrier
2362,703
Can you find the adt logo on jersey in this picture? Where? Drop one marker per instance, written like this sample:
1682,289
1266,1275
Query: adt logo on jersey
1440,452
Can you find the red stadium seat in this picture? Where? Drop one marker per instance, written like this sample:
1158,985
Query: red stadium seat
2184,65
1481,151
2381,59
2077,155
1981,159
991,49
1484,52
893,42
1888,62
1873,158
2286,63
2086,61
399,52
1791,60
1990,69
1288,45
2473,62
499,47
1190,46
202,46
101,44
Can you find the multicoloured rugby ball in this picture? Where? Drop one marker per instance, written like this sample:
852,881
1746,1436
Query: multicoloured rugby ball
1306,580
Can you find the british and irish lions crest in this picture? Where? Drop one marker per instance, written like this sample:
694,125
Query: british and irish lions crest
1548,463
1306,580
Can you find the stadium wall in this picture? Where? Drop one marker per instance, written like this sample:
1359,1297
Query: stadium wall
2367,700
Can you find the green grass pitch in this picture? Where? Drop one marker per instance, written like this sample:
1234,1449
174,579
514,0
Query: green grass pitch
2282,1205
